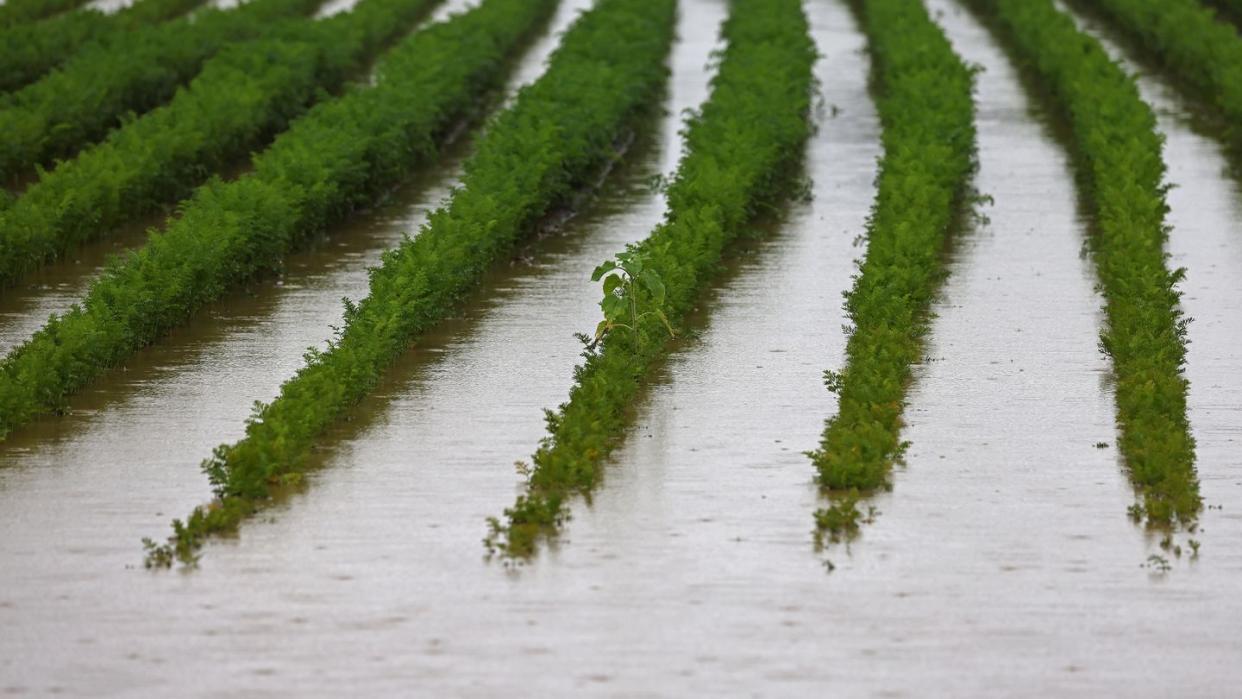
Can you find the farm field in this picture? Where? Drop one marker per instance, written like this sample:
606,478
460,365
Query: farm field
743,347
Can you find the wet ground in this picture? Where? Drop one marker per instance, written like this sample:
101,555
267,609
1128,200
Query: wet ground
1001,564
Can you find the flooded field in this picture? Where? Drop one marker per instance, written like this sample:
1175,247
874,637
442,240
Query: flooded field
1001,563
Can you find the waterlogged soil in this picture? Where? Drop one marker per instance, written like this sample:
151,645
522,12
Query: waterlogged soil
1002,562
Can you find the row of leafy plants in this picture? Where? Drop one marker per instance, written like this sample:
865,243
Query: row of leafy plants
923,96
1118,153
104,83
16,12
553,142
742,150
1201,53
1230,10
27,51
343,154
244,95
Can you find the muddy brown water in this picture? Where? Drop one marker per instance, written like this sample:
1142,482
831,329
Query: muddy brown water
1001,564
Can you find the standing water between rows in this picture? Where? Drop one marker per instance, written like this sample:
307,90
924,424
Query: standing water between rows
78,493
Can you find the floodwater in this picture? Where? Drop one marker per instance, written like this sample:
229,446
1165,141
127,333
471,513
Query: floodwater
54,288
1001,564
108,6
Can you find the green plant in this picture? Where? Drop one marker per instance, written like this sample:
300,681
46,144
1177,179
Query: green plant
1117,153
923,95
27,51
741,149
1203,54
244,95
101,85
840,520
343,154
15,12
562,130
620,302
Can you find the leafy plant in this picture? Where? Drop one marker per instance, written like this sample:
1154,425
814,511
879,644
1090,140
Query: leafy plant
1117,152
244,95
926,111
620,302
96,89
343,154
27,51
1204,55
740,150
561,130
15,12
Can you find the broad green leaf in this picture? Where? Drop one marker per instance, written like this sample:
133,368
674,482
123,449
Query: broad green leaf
612,282
603,269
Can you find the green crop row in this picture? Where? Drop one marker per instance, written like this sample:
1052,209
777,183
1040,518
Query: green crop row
560,132
1118,153
244,94
1203,54
95,90
15,12
341,155
27,51
741,149
927,115
1230,10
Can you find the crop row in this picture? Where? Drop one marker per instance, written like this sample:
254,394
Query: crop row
1118,154
927,116
340,155
27,51
1203,54
1230,10
243,95
95,90
558,135
742,149
15,12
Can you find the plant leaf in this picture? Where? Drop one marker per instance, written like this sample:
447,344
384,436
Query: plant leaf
603,269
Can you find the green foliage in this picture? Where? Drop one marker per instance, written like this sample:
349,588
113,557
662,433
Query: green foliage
1203,54
927,114
104,82
244,94
1229,10
620,302
1118,154
27,51
842,520
535,156
740,150
16,12
343,154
